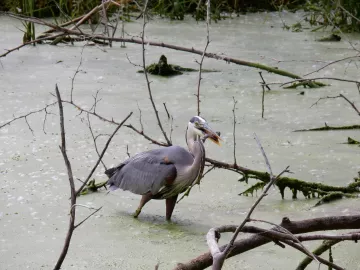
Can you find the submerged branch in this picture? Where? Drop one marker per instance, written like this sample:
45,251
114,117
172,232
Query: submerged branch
326,127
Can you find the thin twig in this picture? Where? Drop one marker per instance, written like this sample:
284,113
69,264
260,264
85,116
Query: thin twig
94,139
167,112
263,102
273,179
32,131
28,114
333,62
185,194
203,56
127,150
146,136
171,127
85,219
76,72
140,118
339,96
146,74
102,154
234,129
29,43
263,81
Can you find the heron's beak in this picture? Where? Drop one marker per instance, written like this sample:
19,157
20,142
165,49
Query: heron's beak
212,135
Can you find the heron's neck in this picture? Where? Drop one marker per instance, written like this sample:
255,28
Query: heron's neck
197,149
191,140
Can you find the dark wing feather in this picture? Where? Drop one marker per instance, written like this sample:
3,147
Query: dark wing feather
148,171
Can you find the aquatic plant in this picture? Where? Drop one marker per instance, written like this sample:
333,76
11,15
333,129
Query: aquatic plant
341,15
27,8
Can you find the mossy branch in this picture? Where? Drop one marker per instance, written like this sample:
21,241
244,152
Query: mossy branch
352,141
309,84
334,196
308,189
253,188
326,128
93,187
326,245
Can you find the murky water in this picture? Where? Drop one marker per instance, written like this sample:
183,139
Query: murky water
34,187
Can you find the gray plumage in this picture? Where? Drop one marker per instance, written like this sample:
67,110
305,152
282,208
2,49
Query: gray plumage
148,171
166,172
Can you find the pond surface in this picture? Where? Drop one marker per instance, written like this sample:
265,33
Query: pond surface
34,203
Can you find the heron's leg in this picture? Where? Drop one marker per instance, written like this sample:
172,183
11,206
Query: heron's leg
170,205
144,199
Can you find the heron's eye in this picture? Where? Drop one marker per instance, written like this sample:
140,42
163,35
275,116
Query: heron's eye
196,124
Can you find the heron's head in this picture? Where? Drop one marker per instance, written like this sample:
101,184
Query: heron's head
200,127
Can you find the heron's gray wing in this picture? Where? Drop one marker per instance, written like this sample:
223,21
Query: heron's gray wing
148,171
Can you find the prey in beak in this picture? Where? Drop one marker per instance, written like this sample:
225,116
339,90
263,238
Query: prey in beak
210,134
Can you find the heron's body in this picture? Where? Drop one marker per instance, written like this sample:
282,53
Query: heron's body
162,173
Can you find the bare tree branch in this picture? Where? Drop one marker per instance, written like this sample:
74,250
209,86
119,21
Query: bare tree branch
333,62
146,75
71,182
339,96
76,72
85,219
28,114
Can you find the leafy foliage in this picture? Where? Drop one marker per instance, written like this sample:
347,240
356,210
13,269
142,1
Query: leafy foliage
341,15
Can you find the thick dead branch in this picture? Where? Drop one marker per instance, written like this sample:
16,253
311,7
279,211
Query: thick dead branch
295,227
71,182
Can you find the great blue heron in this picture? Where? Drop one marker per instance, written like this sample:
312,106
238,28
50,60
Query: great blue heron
166,172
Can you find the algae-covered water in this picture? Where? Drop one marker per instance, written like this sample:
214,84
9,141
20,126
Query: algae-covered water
34,189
